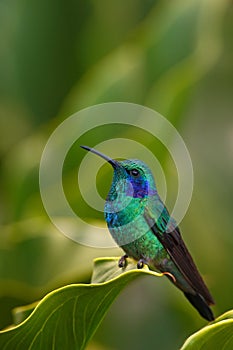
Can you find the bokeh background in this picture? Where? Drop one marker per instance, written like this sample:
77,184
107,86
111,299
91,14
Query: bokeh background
58,57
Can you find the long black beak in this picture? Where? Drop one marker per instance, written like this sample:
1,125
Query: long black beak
113,162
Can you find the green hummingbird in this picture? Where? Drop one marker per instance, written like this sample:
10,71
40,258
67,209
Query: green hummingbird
140,224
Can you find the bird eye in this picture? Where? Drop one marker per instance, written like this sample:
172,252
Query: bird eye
134,172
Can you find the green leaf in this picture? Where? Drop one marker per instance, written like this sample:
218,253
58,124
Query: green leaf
218,335
68,317
22,312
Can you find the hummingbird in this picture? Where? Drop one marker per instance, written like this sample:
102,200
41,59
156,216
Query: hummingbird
140,224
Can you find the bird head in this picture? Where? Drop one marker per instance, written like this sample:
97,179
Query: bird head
131,177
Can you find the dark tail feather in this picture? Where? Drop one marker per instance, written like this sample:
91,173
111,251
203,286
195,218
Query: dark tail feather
202,307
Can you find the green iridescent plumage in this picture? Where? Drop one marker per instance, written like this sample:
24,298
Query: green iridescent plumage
141,225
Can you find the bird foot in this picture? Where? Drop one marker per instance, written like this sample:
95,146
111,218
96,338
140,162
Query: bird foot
122,261
141,263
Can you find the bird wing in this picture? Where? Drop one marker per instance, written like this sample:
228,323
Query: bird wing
176,248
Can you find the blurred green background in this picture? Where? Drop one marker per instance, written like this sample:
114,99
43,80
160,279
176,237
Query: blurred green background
58,57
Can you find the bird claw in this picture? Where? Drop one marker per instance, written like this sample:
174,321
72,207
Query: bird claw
141,263
122,261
